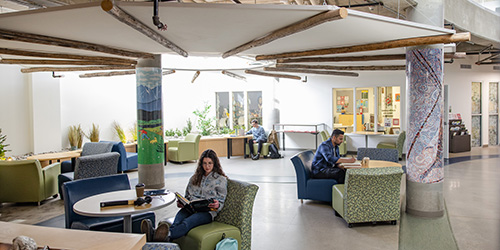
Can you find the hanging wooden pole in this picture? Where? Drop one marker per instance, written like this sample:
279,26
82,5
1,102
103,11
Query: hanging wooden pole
460,37
47,40
306,71
259,73
113,60
329,67
100,68
134,23
343,59
299,26
57,62
110,73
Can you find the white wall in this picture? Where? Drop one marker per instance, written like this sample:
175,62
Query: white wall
103,100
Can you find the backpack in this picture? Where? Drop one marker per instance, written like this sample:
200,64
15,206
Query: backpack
273,152
227,243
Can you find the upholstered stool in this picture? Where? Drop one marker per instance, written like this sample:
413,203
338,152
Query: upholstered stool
205,237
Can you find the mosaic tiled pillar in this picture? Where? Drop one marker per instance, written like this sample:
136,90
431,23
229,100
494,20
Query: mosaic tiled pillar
150,147
424,163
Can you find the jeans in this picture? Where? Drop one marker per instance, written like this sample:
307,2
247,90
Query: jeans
331,173
250,145
185,221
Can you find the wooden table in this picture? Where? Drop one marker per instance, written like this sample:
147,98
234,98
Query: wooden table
90,206
47,159
61,238
366,134
378,164
244,138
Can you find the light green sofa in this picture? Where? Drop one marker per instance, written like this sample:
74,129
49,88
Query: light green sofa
185,150
235,220
399,144
368,195
27,181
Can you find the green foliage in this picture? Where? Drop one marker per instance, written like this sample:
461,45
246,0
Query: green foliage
134,131
178,132
73,136
225,130
169,132
3,145
186,130
93,135
119,132
205,123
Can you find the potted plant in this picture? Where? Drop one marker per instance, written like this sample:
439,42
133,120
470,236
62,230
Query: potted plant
73,137
119,132
93,135
205,122
3,145
134,131
189,126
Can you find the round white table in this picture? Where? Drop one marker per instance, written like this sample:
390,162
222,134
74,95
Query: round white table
90,206
377,164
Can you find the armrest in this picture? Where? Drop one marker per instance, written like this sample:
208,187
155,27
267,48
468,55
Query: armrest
53,169
173,143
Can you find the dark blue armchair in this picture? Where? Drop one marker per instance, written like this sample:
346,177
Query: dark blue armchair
127,160
74,191
308,188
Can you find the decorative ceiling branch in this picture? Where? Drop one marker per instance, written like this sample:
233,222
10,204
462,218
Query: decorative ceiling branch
196,74
452,38
57,62
233,75
110,73
99,68
131,21
302,25
259,73
329,67
306,71
343,59
54,41
111,60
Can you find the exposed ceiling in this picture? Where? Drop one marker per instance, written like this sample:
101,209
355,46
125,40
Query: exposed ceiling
205,30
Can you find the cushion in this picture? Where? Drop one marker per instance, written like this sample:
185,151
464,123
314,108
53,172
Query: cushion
206,236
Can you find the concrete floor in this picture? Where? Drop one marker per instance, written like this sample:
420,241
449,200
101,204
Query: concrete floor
280,221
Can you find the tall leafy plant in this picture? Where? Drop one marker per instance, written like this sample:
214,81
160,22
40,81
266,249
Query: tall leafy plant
3,145
189,126
205,123
73,137
93,135
134,131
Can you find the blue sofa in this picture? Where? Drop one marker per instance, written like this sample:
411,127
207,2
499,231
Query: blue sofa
73,191
127,160
308,188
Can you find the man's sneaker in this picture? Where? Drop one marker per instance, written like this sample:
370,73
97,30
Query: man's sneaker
161,233
148,229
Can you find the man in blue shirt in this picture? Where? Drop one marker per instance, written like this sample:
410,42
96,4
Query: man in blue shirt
259,136
326,162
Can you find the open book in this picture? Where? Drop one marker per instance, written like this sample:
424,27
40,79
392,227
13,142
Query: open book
195,206
356,164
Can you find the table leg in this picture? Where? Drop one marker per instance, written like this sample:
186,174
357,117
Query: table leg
73,163
366,141
283,141
229,147
245,141
127,224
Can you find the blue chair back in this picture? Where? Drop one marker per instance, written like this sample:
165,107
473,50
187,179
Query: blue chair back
302,162
73,191
382,154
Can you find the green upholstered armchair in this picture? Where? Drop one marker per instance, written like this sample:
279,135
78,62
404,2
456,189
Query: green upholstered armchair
235,220
27,181
185,150
399,144
368,195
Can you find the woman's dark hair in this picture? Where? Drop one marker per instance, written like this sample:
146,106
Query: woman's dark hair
337,132
198,174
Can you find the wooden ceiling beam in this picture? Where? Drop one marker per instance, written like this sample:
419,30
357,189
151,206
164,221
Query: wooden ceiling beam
407,42
352,68
114,60
106,74
306,71
456,55
54,41
134,23
66,69
58,62
302,25
260,73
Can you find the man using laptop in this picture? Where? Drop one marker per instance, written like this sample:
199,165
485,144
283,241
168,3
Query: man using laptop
326,162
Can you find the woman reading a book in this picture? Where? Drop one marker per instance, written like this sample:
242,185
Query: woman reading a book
209,182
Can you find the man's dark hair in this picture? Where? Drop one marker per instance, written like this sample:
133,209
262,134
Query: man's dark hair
254,121
337,132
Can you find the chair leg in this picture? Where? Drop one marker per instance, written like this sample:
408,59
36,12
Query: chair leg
337,214
301,201
394,222
349,225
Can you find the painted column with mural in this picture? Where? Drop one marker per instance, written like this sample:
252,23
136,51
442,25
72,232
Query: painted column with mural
424,162
150,146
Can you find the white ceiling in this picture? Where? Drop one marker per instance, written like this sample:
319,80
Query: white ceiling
207,29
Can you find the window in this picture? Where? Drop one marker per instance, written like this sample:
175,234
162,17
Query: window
493,114
238,110
222,109
254,101
476,115
343,108
389,109
365,109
